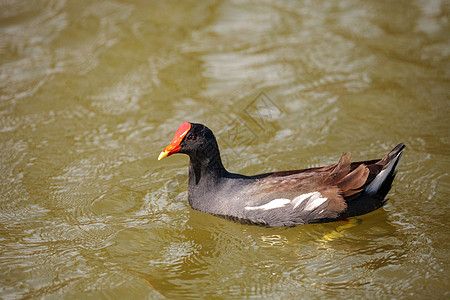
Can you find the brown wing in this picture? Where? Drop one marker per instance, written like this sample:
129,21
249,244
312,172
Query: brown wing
335,182
317,194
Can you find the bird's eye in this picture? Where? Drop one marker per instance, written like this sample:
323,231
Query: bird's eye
190,137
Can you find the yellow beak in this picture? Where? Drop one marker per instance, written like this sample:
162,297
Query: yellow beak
163,154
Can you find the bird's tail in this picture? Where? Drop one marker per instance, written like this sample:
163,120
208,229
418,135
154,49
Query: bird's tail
382,182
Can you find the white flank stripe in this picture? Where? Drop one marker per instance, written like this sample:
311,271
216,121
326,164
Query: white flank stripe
298,200
314,203
271,205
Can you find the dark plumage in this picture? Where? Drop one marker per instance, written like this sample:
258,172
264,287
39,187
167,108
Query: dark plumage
285,198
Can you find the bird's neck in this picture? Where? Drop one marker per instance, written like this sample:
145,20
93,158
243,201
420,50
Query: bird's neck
206,168
205,177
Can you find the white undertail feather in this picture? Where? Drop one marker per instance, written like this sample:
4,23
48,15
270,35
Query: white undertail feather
375,185
398,157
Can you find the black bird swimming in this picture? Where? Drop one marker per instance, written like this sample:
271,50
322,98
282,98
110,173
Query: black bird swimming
286,198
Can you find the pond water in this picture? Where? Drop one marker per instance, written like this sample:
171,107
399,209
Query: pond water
92,91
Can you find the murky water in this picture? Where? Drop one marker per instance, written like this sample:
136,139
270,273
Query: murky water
92,91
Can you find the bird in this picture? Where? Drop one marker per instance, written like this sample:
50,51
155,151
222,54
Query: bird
287,198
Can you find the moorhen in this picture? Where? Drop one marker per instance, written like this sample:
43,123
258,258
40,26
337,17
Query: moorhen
287,198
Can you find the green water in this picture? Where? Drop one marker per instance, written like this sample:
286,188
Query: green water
92,91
